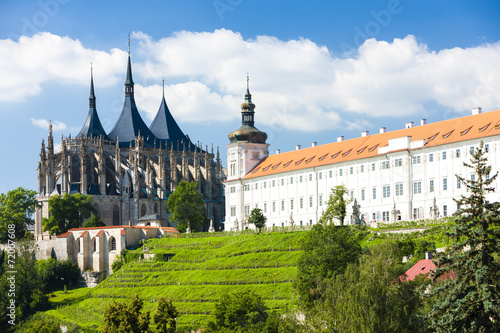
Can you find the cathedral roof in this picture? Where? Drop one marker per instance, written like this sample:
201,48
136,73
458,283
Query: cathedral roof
473,127
130,123
165,128
92,127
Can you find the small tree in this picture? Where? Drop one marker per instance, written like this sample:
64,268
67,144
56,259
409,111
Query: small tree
238,310
257,218
68,211
17,208
120,317
186,205
336,205
469,298
94,222
165,317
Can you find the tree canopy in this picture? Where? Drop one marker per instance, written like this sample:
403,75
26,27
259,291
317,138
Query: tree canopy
17,208
238,310
336,206
123,317
468,300
328,249
257,218
67,211
165,317
187,206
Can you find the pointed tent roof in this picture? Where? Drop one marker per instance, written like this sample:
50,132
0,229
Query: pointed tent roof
92,127
130,122
165,128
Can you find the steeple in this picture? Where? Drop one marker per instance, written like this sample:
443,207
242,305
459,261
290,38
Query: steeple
92,128
247,132
129,83
165,128
130,123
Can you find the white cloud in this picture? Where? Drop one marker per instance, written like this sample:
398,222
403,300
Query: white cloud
44,123
295,84
27,63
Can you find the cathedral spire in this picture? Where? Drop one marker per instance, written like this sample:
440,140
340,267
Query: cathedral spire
92,96
129,83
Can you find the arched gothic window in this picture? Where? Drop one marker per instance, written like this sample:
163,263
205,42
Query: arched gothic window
112,244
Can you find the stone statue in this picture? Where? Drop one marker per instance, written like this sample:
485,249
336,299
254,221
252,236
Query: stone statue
236,225
394,213
292,222
356,219
434,210
211,228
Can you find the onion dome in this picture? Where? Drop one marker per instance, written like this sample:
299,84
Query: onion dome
247,132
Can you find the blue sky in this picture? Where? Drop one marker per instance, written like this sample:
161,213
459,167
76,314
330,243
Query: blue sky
318,69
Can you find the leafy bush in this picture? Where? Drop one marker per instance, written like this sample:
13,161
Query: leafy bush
55,274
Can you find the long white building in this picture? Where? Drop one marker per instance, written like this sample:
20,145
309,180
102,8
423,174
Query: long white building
405,174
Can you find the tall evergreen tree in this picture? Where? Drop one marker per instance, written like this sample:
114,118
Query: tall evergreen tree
468,300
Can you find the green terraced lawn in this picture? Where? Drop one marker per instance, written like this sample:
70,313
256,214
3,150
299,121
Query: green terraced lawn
201,270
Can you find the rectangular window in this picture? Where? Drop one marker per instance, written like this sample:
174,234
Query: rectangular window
232,189
487,176
373,166
301,203
300,179
473,177
274,183
374,193
310,177
398,162
291,204
351,170
416,159
321,200
282,181
386,191
431,157
233,210
445,184
362,194
486,147
247,210
385,216
471,149
459,184
257,205
274,206
310,201
247,187
399,189
445,210
362,168
340,172
282,205
444,155
291,180
265,207
457,153
431,185
256,186
417,187
264,184
330,174
320,175
385,164
352,195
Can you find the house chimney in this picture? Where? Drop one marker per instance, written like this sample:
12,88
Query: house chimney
314,144
365,133
297,147
409,125
477,110
340,138
383,129
423,122
277,151
428,255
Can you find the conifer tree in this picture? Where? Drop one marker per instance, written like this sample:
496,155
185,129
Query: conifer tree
468,300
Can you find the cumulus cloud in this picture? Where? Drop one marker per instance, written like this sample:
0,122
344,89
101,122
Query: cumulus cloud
27,63
44,123
296,84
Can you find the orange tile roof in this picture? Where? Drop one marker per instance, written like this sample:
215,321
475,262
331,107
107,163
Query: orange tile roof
83,233
99,233
66,234
123,232
433,134
423,266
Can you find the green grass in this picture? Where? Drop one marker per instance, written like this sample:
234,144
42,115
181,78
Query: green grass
200,271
